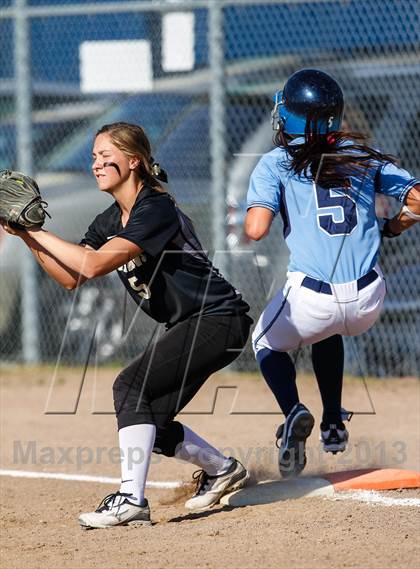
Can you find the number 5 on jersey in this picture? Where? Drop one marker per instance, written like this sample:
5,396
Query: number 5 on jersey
343,219
142,289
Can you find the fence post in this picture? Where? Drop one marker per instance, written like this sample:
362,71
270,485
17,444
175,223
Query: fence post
23,90
218,129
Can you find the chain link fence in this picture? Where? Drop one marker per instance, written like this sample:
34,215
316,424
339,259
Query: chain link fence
199,76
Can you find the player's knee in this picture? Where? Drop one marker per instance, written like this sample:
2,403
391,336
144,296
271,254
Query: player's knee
261,355
125,382
168,438
126,395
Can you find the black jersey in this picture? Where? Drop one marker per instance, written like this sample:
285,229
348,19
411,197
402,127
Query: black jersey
172,278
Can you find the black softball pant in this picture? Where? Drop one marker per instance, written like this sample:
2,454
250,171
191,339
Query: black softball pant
159,383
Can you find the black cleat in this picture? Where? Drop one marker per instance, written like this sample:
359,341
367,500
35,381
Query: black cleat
334,437
293,434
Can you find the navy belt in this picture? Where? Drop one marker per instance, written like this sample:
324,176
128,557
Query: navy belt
325,288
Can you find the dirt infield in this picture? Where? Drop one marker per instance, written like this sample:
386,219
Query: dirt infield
38,517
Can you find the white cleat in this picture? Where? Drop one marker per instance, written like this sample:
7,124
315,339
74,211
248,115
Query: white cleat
116,510
211,488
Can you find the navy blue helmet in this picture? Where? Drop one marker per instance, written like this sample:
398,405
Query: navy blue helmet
309,95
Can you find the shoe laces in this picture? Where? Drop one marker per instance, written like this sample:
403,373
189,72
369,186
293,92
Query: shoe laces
203,481
109,501
44,205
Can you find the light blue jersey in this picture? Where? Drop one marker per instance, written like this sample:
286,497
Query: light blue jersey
332,235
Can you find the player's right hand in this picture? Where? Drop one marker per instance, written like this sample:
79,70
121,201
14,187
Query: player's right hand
10,230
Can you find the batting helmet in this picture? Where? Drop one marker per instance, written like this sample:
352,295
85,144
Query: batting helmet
309,97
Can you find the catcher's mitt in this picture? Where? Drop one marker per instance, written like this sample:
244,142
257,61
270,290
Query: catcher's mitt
21,205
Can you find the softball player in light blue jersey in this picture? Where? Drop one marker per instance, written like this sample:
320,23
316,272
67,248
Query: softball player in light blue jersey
322,181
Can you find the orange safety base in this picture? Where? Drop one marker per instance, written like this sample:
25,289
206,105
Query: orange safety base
374,479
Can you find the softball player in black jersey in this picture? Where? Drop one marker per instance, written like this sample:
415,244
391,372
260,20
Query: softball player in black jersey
153,246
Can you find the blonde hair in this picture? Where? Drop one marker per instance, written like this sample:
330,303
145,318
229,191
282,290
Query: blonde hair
132,140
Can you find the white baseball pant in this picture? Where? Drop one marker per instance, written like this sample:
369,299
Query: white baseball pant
299,316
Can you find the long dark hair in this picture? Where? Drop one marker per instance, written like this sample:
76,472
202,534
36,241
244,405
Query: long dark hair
330,159
132,140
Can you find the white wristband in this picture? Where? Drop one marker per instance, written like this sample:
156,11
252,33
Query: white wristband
406,211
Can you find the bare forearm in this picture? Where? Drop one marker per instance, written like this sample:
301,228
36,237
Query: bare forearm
402,220
87,262
56,270
69,255
400,223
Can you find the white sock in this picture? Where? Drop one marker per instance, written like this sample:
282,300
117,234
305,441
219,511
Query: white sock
136,445
196,450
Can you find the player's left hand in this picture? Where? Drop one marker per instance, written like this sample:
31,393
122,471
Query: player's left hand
386,230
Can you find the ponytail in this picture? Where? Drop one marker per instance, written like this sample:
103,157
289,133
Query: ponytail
158,172
330,159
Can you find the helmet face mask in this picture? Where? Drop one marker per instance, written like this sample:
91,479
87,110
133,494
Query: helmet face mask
276,120
311,102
